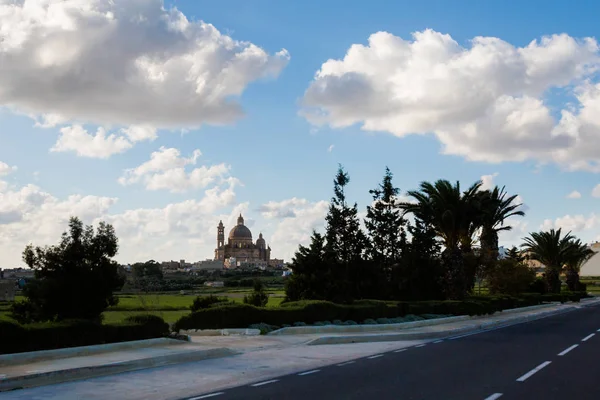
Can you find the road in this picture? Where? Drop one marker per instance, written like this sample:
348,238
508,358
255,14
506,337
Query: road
552,358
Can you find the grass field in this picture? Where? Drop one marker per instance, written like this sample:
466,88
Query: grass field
171,306
168,306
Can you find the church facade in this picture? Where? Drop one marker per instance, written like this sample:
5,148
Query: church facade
239,245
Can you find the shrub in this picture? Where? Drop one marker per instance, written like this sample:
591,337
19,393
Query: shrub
538,286
299,323
153,324
349,322
16,338
263,328
369,321
258,297
317,311
202,302
509,276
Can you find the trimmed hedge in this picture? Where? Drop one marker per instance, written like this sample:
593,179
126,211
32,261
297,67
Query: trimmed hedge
310,312
15,338
313,311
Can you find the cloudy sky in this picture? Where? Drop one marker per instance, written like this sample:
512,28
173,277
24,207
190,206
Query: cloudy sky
164,117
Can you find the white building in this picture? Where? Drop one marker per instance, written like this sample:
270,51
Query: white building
592,266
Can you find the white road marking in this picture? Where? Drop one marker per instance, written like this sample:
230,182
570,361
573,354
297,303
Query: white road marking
467,334
206,396
309,372
399,351
346,363
598,330
421,345
494,396
507,325
565,351
585,339
375,356
533,371
438,341
265,382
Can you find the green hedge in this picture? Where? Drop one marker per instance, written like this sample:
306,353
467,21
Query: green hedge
311,311
15,338
243,315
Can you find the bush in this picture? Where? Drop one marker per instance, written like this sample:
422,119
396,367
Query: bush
258,297
317,311
538,286
263,328
16,338
153,324
202,302
510,277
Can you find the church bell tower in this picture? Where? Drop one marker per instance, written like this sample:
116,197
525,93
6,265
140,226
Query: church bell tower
220,235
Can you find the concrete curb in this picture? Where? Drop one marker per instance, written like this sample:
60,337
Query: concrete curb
28,357
529,308
71,374
303,330
220,332
391,337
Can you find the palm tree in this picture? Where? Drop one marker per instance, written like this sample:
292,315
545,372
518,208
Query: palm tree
453,215
495,208
578,255
552,250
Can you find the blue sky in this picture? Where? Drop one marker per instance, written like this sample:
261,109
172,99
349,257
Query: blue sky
274,152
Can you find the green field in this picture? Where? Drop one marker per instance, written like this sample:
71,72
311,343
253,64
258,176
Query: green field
169,306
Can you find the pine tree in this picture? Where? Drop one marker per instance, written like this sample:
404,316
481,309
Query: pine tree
419,273
345,241
385,224
311,276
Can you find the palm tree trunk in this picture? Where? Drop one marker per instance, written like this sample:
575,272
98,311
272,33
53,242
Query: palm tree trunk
553,279
572,279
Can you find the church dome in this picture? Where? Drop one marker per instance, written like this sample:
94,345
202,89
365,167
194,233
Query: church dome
240,231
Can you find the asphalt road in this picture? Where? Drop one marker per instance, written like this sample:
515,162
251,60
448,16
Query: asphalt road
553,358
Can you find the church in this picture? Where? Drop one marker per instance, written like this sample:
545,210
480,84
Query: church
240,247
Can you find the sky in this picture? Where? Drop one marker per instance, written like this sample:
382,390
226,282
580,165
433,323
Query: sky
163,118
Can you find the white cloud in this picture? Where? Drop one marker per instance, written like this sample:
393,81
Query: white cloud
488,181
484,102
123,62
179,230
166,170
295,220
574,223
100,145
330,148
596,191
183,230
6,169
574,195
